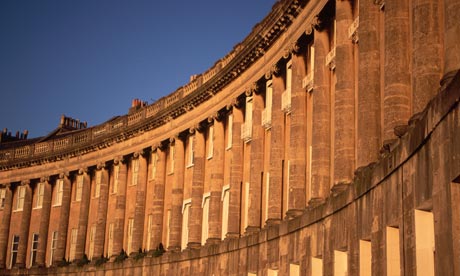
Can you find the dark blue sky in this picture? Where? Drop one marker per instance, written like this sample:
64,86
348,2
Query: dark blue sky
88,59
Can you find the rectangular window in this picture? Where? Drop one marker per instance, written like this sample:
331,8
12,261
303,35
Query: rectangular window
229,131
130,234
424,242
73,244
294,270
267,195
79,188
33,249
246,128
191,151
154,165
272,272
171,159
58,191
316,266
185,215
92,237
116,175
149,231
225,208
168,227
135,171
110,245
2,197
205,206
289,76
21,195
246,205
365,258
14,250
340,263
210,142
54,238
97,189
392,251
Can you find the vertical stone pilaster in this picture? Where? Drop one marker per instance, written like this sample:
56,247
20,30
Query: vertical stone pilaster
368,100
344,100
158,198
196,212
120,206
5,214
397,91
83,216
63,218
177,196
101,212
236,173
217,181
451,39
44,222
139,209
25,223
321,129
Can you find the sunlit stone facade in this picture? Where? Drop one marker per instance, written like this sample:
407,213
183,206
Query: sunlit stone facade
326,143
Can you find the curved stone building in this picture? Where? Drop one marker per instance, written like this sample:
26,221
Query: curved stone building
326,143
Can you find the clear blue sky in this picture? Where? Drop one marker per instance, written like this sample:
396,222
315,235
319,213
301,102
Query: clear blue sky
88,59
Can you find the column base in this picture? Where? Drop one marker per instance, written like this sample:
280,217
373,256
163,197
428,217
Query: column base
232,235
174,249
271,222
387,146
339,187
211,241
193,245
251,230
316,201
400,130
293,213
447,79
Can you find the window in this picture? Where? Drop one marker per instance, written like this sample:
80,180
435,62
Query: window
97,189
191,151
154,165
14,250
171,159
40,193
365,258
210,142
149,231
2,197
33,250
205,206
246,204
316,267
21,195
116,173
58,191
130,234
92,237
267,195
110,245
272,272
135,171
340,263
54,238
229,131
392,251
424,242
185,215
225,206
73,243
294,270
168,227
79,188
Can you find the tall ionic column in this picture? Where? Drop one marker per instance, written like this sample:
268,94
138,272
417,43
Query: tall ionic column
44,222
217,180
24,221
159,194
368,100
101,217
139,209
344,100
196,212
59,254
321,119
5,215
177,195
397,87
118,231
236,171
451,39
84,212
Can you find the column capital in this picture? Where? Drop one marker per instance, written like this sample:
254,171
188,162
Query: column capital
45,178
100,166
119,160
272,71
63,175
252,88
292,49
5,185
83,171
24,182
235,103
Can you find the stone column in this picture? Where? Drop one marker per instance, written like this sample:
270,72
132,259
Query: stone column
321,129
344,100
236,172
368,100
44,222
25,223
5,214
397,91
159,195
83,216
451,39
177,195
59,254
297,150
217,180
196,212
139,210
119,220
426,51
101,218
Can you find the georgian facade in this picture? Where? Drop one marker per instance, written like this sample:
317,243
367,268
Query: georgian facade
326,143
